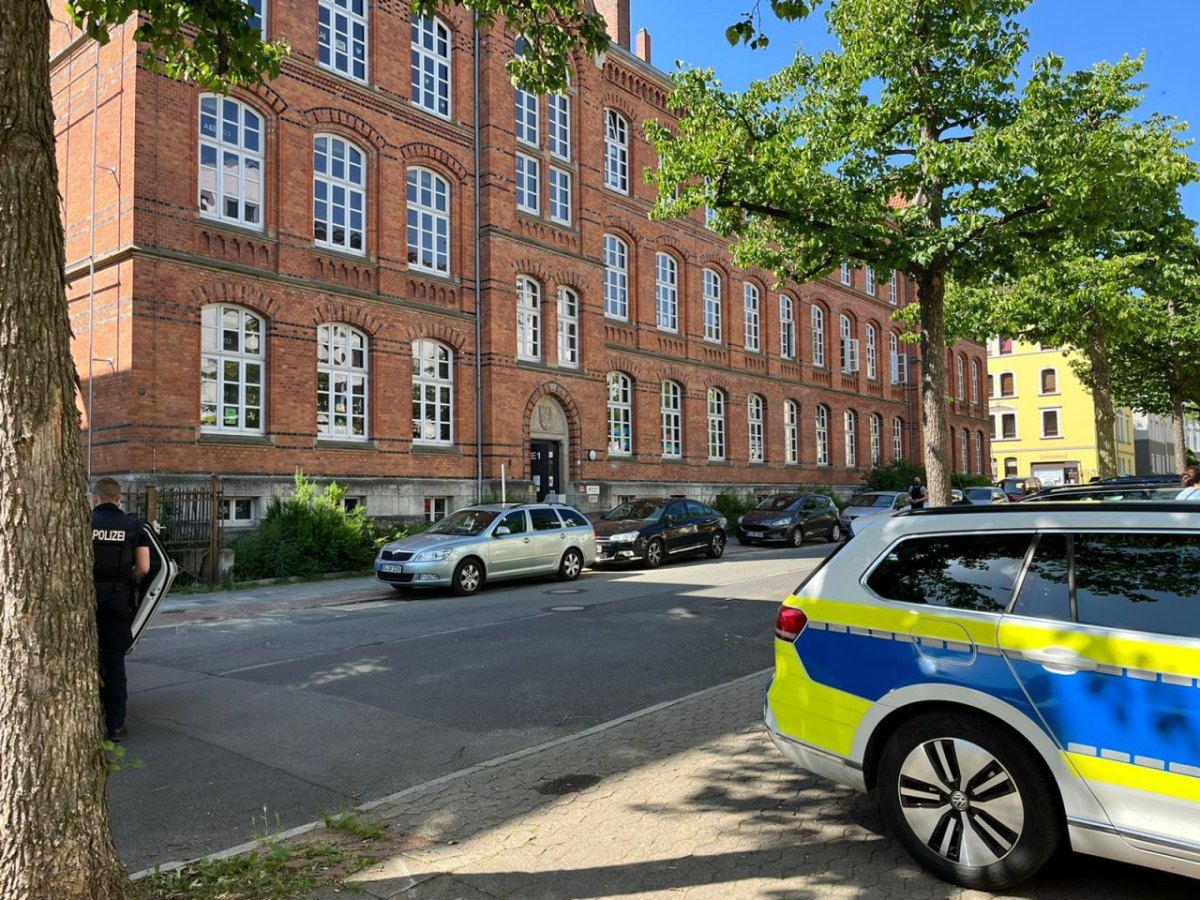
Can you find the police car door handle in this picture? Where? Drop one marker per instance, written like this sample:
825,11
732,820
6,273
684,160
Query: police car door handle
1060,660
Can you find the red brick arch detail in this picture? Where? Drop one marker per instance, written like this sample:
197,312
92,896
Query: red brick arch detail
333,311
717,263
416,152
272,97
574,429
615,101
534,270
238,295
715,381
347,121
662,244
674,373
438,331
627,366
624,229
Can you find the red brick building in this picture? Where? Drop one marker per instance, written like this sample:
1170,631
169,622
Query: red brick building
390,268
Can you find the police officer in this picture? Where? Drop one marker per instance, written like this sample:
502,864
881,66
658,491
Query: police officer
122,559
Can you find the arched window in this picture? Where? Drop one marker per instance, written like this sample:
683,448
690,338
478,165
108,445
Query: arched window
1049,379
428,221
897,439
787,327
666,291
822,422
342,37
716,423
872,353
712,306
341,382
818,336
960,378
616,151
965,451
339,194
876,439
231,161
975,381
529,318
979,452
848,345
616,277
870,278
750,304
568,327
850,419
672,420
791,432
232,369
754,421
432,393
431,65
620,414
897,361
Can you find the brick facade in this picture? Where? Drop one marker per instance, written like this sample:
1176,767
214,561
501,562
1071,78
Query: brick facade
158,261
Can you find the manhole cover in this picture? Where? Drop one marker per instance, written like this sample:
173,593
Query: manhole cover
566,608
566,591
568,784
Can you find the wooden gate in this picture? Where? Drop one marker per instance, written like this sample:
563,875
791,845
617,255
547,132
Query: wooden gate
189,522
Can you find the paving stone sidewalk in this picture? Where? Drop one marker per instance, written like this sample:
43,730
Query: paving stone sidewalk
689,800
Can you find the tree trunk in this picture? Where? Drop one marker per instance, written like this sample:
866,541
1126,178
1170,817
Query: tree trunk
932,288
55,837
1102,400
1178,439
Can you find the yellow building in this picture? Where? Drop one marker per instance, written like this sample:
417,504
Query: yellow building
1043,418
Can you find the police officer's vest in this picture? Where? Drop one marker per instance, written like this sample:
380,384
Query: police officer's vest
115,535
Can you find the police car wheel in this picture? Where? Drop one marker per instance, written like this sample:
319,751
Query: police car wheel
468,577
969,801
571,566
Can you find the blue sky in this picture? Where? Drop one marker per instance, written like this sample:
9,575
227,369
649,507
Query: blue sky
1081,31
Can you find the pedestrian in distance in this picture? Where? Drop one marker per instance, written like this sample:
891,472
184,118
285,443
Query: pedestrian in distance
917,493
1191,484
122,552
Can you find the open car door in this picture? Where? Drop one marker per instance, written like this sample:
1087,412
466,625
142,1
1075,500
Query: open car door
152,589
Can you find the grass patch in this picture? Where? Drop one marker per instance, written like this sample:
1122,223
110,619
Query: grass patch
351,824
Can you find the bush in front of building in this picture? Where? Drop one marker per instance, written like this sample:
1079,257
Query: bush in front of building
731,504
306,533
899,475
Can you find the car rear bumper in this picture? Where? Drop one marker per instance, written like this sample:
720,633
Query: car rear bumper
813,759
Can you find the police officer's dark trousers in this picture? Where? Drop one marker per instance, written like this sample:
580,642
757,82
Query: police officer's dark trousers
113,620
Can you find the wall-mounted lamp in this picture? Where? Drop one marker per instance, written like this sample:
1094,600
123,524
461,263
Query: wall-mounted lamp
592,455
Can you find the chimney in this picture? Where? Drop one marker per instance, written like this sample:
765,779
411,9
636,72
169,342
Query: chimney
643,45
616,15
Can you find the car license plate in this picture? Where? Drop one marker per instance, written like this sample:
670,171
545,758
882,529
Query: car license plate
391,568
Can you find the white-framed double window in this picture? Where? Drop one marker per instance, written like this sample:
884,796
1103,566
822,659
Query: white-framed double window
666,291
529,176
895,359
620,414
897,439
232,369
791,432
431,65
876,438
616,151
818,336
341,382
568,328
964,451
712,306
979,452
258,18
238,510
787,327
558,124
850,423
529,318
339,194
231,161
716,424
848,345
822,435
616,277
342,37
960,378
754,425
560,195
894,288
845,273
432,393
672,420
975,381
872,352
528,121
428,221
752,313
870,279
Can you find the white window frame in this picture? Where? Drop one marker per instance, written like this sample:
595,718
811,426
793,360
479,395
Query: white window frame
979,452
432,47
432,393
960,378
258,18
558,125
894,288
716,424
876,430
560,195
529,319
343,365
436,508
428,221
751,300
666,292
529,188
230,511
791,432
787,327
568,328
348,20
616,278
672,420
242,370
870,280
850,435
974,381
616,152
528,124
1042,384
872,353
847,345
754,428
822,434
998,426
238,141
845,273
964,451
897,439
712,306
818,336
341,192
1057,411
620,414
1000,383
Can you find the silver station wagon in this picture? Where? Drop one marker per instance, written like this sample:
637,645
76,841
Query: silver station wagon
490,542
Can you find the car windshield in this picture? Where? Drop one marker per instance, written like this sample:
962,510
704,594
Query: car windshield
778,503
980,493
636,509
467,522
882,501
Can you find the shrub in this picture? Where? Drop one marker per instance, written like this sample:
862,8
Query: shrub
894,476
731,505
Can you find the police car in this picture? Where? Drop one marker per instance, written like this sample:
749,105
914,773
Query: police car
1009,680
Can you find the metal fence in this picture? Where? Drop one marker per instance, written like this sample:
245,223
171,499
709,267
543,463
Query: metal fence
189,522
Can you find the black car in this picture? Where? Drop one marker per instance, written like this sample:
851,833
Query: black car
791,518
651,529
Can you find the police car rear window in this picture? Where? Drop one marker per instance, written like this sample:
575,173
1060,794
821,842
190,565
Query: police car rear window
968,571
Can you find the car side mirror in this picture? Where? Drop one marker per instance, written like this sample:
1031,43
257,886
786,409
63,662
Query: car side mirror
502,530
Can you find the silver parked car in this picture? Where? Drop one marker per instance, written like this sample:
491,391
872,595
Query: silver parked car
490,542
876,503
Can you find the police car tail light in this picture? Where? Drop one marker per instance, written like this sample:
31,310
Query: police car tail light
789,623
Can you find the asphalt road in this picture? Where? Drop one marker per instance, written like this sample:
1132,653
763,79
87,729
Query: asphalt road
258,715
